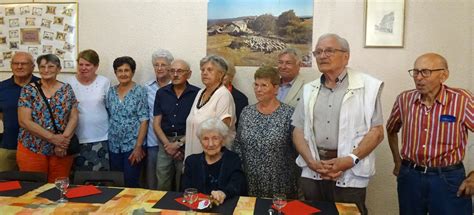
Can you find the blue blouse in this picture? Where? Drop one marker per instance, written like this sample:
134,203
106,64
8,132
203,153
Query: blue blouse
125,117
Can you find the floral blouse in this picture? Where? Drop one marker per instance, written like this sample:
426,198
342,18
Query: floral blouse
125,117
62,102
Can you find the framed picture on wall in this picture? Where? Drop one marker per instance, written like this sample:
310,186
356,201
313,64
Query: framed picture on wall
39,28
384,23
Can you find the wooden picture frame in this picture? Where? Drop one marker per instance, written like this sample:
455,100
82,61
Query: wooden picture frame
39,28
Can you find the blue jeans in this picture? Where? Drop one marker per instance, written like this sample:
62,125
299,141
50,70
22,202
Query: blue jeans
431,192
120,162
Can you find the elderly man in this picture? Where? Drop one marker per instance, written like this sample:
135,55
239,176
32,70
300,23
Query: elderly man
161,60
170,124
289,62
435,120
338,124
22,65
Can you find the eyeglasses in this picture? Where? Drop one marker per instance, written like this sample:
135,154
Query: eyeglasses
20,64
160,65
178,71
328,52
424,72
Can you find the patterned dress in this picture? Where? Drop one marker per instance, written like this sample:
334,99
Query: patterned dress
264,143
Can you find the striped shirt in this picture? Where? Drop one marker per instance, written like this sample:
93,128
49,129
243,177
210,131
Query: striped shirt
437,135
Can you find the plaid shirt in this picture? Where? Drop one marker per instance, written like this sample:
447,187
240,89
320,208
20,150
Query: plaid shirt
437,135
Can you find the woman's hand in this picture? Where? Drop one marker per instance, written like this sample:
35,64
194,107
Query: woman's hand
218,196
60,152
59,140
137,155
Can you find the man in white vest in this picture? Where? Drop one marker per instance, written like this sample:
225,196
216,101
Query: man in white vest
338,124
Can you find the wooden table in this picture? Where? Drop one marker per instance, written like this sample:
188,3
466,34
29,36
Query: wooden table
128,201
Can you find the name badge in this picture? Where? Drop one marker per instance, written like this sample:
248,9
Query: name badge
447,118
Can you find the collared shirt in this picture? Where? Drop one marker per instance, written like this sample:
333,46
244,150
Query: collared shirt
327,112
284,89
437,135
9,94
151,87
125,117
174,110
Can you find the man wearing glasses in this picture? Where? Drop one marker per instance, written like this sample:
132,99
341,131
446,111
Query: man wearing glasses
338,124
435,120
172,106
22,66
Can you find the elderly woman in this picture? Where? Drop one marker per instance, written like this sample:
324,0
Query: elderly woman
263,140
91,90
212,101
128,121
161,60
40,147
217,171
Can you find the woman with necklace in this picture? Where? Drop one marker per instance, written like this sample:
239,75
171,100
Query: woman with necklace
212,101
263,140
92,129
40,147
128,122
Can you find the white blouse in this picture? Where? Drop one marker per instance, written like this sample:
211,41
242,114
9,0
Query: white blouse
220,105
93,118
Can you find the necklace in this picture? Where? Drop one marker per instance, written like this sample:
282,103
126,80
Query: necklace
199,105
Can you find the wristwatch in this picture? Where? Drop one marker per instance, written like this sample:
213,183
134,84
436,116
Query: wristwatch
180,144
355,159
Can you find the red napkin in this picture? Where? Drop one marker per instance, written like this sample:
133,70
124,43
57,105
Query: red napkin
195,204
298,207
10,185
81,191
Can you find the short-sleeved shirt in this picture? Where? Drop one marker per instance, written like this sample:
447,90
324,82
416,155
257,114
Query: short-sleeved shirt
326,113
152,87
220,105
62,102
437,135
125,117
9,94
174,110
93,123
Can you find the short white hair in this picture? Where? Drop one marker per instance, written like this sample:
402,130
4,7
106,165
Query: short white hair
215,125
162,53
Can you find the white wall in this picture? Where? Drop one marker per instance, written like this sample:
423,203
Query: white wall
136,28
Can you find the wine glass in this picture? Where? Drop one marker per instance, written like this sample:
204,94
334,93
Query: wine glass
279,201
191,196
62,183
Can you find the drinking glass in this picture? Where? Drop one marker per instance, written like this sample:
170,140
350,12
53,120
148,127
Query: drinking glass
279,201
191,196
62,183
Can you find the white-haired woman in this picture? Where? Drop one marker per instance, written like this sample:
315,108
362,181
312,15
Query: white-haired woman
216,171
161,60
214,100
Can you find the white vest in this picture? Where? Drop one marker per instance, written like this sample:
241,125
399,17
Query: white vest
355,117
